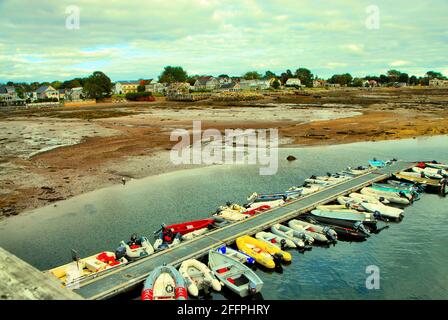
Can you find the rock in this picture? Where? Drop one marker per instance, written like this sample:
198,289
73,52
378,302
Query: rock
291,158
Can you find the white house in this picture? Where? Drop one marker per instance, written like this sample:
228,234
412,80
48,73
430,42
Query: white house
155,87
47,92
206,83
229,87
438,83
291,82
74,94
8,94
255,84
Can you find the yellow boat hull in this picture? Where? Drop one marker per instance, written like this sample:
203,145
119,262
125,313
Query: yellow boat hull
261,251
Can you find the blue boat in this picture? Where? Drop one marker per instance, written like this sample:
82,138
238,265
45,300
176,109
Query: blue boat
377,163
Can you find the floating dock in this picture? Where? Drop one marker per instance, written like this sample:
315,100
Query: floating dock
116,281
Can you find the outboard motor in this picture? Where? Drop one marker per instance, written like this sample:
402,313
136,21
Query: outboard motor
120,252
330,235
313,177
252,288
377,215
283,244
359,226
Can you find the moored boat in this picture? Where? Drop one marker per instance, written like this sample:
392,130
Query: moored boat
235,275
263,253
198,277
314,230
344,218
300,238
276,240
236,255
82,269
186,227
393,197
164,283
135,248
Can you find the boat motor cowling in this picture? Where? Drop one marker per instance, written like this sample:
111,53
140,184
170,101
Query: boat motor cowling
120,252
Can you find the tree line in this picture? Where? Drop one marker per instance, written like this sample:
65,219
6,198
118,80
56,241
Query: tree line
98,85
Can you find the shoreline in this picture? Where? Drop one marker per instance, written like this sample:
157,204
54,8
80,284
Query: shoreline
106,145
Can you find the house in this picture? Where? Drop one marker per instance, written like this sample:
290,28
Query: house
47,92
206,83
74,94
319,83
124,87
293,82
178,88
438,83
229,87
400,84
8,94
224,80
333,85
62,93
32,96
155,87
255,84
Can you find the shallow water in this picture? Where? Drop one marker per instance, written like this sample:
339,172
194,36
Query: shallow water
411,255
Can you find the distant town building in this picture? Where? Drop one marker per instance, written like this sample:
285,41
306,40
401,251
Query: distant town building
7,94
155,87
438,83
124,87
229,87
62,93
74,94
47,92
291,82
206,83
332,85
255,84
319,83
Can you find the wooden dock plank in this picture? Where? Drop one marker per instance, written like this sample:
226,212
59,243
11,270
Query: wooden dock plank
130,276
21,281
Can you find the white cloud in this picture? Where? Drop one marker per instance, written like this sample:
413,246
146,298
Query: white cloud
399,63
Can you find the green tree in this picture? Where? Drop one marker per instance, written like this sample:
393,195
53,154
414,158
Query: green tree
357,82
305,76
342,79
173,74
252,75
413,80
269,75
394,75
141,88
98,86
404,77
276,84
434,75
56,84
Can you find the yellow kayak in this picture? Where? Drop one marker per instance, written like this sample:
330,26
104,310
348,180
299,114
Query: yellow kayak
74,272
261,251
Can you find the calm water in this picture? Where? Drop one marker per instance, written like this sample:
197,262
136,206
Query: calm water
411,255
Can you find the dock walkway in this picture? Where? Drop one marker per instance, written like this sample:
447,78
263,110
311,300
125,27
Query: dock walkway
127,277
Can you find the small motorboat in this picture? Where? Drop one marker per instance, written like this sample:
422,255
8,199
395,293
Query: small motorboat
276,240
166,241
393,197
187,227
231,215
377,163
425,181
271,204
257,209
198,277
82,269
235,275
195,234
319,233
307,189
266,197
437,165
236,255
344,218
164,283
263,253
328,180
357,171
367,198
345,231
432,173
136,248
300,238
379,210
336,208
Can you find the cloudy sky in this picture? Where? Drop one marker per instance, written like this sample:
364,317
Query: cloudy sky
135,39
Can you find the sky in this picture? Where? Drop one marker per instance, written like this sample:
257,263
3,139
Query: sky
134,39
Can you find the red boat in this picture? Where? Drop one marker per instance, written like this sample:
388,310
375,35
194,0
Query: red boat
187,227
257,210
